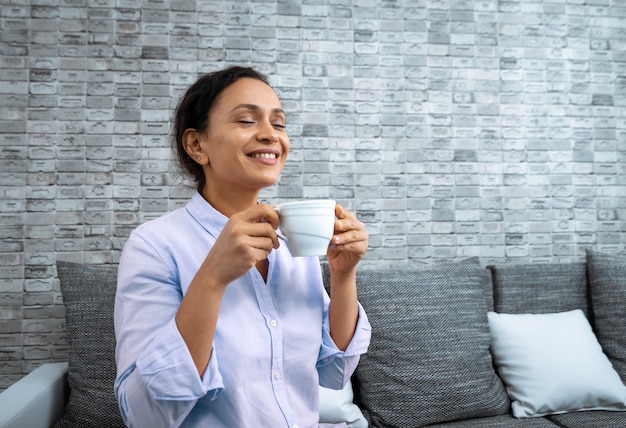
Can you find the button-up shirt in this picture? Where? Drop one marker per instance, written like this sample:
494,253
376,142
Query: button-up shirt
271,349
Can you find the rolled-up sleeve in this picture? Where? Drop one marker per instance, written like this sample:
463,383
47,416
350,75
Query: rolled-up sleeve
168,371
336,366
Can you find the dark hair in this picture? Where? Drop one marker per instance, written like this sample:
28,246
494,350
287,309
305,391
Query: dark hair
194,107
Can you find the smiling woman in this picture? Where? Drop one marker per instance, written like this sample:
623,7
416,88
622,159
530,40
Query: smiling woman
217,323
193,113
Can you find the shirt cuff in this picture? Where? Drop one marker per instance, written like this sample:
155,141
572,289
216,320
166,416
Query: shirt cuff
169,373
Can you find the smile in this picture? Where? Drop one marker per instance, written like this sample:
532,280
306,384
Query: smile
264,155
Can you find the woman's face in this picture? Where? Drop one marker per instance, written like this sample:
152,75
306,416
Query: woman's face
245,142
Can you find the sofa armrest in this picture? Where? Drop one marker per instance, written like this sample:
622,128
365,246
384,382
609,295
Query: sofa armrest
37,400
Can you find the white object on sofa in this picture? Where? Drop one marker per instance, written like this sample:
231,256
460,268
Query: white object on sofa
336,406
36,400
553,363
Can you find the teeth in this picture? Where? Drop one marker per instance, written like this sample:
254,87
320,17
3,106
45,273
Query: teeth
264,155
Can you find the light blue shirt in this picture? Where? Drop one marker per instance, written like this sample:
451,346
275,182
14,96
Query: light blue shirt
271,349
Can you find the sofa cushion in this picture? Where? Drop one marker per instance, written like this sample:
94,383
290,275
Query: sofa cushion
607,281
540,288
428,359
504,421
590,419
553,363
89,295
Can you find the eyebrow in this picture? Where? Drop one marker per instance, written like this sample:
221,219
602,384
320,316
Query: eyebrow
256,107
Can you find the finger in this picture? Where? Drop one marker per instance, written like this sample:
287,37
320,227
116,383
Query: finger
252,223
349,222
260,213
263,243
352,249
267,213
264,230
340,211
350,236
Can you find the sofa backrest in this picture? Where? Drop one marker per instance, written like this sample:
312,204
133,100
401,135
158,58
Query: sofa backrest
540,288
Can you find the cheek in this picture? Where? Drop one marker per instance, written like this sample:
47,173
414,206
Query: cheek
217,145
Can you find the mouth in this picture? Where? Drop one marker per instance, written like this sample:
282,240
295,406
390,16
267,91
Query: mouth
263,155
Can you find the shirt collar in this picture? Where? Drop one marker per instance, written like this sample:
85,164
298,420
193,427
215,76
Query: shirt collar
204,213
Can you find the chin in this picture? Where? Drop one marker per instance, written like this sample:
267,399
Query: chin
264,182
270,183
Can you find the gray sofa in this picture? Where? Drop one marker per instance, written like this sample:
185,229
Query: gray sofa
452,346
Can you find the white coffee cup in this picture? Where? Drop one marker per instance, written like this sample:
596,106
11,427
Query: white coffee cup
307,225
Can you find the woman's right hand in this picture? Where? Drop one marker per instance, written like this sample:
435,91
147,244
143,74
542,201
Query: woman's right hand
248,237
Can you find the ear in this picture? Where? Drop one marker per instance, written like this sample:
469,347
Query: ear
192,142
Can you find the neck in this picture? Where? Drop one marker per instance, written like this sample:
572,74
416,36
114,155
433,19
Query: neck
228,202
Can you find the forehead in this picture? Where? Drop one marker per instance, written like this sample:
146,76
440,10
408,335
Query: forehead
248,91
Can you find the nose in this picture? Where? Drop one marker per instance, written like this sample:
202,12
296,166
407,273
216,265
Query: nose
267,133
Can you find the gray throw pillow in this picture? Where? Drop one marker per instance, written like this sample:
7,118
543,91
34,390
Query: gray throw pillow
539,288
89,295
607,282
429,358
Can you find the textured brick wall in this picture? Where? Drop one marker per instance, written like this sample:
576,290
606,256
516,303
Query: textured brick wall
454,128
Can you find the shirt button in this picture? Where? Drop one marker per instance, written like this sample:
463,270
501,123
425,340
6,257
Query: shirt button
276,374
273,323
294,426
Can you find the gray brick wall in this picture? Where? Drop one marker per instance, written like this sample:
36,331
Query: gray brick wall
454,128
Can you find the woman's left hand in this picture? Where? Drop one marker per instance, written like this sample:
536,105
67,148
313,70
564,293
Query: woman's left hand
349,242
